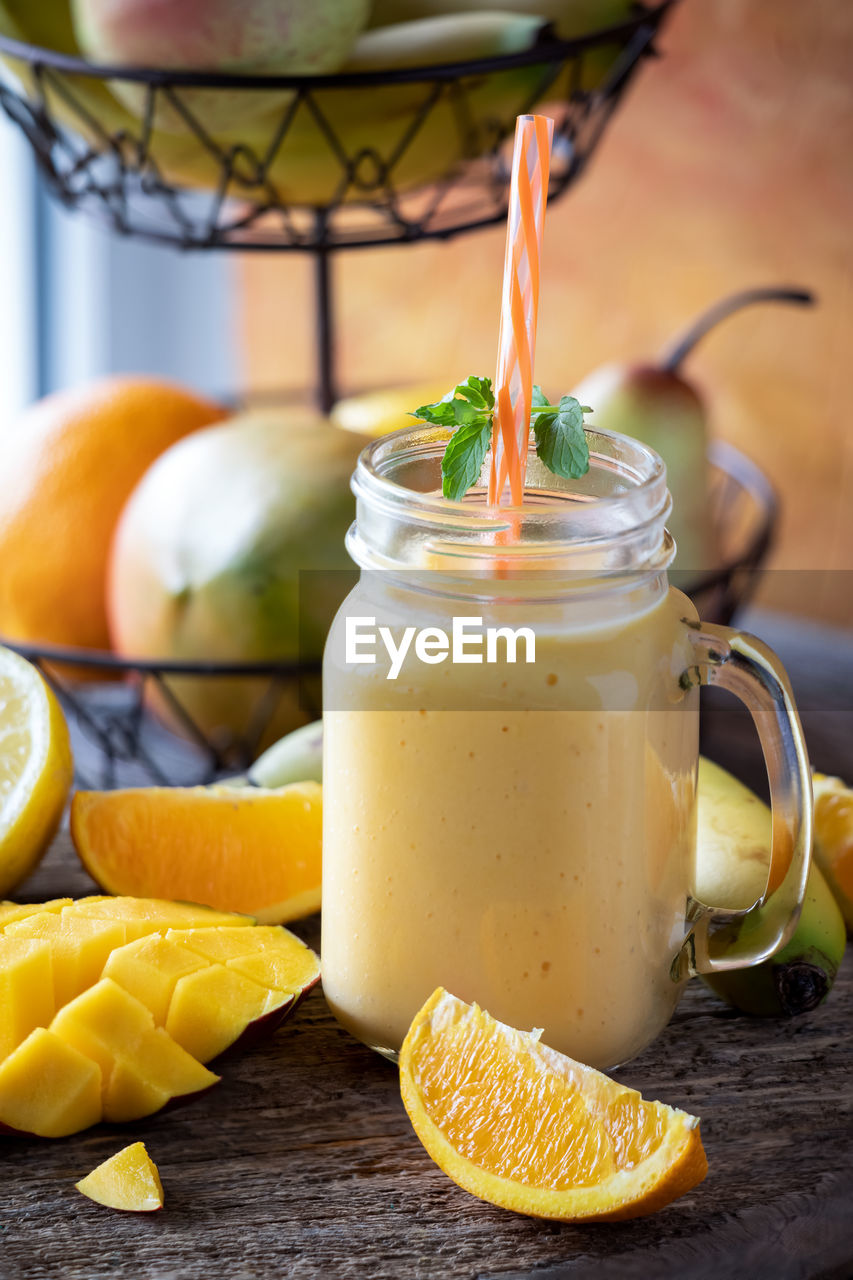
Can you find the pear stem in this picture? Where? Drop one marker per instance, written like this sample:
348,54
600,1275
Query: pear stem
674,354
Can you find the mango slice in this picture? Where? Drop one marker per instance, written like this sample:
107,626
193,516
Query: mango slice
26,989
142,916
267,954
149,968
129,1180
212,1008
79,947
48,1088
10,911
110,1006
141,1065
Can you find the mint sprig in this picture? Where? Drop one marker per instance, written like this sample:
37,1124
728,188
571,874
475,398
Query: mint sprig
469,409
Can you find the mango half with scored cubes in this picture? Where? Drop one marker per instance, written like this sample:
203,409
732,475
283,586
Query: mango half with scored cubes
110,1007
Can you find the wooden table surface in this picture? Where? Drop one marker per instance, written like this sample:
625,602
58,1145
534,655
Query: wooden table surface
302,1161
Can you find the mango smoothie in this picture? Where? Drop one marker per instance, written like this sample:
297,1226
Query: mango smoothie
522,834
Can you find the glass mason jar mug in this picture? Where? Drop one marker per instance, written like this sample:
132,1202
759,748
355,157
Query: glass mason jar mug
511,728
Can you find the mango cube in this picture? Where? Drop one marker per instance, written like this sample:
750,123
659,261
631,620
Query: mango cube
117,1032
10,911
26,989
142,916
79,948
149,968
211,1009
49,1088
267,954
129,1180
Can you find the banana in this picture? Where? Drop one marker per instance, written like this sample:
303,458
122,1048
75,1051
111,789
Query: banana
732,861
455,37
570,17
297,757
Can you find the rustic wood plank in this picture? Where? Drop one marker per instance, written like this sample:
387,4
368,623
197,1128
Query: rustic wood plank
303,1163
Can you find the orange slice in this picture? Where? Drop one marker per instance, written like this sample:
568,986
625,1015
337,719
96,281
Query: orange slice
233,848
833,839
524,1127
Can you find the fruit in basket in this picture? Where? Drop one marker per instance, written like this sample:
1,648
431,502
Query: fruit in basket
271,37
48,24
263,37
526,1128
297,757
217,557
656,404
732,864
457,37
233,848
569,17
177,986
376,413
833,839
129,1180
36,768
376,123
67,466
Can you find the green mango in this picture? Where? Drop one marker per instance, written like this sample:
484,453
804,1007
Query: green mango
213,559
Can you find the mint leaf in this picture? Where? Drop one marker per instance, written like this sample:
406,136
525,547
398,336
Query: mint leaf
463,405
441,413
463,457
478,391
560,439
539,398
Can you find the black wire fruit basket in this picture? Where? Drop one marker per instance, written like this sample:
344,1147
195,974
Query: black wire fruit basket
296,164
315,165
118,741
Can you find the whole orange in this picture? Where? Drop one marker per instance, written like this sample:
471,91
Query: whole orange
67,467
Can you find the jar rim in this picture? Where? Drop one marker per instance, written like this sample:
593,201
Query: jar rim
609,520
638,461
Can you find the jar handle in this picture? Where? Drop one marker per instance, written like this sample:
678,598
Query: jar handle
719,939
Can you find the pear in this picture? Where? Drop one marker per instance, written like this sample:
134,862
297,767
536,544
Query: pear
655,403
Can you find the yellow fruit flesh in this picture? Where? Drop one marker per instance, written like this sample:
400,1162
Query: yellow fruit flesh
269,955
26,990
149,969
49,1088
142,916
35,768
212,1008
79,947
10,911
233,848
833,839
525,1127
129,1180
115,1030
119,1003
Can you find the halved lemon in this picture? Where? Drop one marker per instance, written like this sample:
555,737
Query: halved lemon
35,768
526,1128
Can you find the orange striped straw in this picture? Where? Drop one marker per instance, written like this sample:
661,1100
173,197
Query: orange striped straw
531,159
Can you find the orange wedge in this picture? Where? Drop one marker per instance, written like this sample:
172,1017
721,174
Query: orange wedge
234,848
526,1128
833,839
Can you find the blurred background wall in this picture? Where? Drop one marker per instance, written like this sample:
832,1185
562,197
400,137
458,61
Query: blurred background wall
731,165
